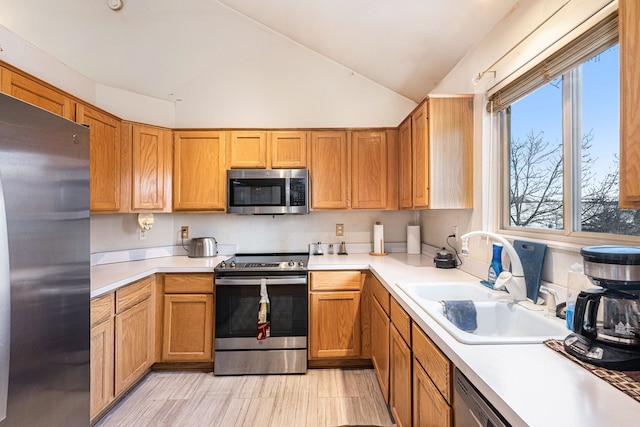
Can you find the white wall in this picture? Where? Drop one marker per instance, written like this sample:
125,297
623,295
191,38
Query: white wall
248,232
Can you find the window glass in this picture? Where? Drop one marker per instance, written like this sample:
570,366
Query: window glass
599,125
535,159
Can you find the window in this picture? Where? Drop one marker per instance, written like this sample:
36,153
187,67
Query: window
561,130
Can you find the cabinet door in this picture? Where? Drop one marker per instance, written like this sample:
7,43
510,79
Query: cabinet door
36,93
380,346
288,150
104,159
151,173
429,407
451,152
102,349
134,344
247,150
369,170
329,169
334,324
399,379
629,16
420,153
199,171
406,169
188,327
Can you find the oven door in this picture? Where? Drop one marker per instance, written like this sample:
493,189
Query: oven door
237,312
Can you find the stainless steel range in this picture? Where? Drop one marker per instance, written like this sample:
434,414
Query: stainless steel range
238,351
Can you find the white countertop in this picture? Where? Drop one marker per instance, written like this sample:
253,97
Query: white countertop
529,384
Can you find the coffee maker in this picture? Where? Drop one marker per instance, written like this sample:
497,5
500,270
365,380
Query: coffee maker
606,320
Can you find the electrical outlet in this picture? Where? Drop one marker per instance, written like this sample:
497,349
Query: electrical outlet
339,229
184,232
455,232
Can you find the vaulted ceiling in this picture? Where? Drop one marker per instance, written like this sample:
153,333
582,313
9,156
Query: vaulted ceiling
184,49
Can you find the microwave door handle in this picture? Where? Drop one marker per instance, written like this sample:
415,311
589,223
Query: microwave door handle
5,307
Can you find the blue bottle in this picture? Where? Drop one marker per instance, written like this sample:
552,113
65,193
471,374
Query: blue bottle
495,268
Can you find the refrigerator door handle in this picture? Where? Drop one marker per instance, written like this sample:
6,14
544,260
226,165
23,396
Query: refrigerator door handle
5,308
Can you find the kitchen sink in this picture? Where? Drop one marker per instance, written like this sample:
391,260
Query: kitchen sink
499,320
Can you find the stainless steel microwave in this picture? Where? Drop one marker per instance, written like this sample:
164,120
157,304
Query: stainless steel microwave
268,191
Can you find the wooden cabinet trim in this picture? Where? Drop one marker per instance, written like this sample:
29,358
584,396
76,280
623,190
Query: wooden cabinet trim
381,294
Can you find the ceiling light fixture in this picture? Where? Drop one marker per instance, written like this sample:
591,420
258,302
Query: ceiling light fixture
115,4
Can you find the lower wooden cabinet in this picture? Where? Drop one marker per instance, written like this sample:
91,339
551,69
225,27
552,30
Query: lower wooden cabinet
400,379
134,333
187,322
102,353
335,305
380,326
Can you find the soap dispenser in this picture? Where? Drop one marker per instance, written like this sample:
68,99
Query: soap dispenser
495,268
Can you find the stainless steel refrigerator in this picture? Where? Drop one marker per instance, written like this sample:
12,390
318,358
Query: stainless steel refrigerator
44,268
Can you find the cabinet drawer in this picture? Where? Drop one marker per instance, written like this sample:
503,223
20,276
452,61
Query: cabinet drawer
380,294
401,320
101,308
188,283
130,295
335,280
435,363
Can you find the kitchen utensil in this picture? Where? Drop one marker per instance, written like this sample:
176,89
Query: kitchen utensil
444,259
532,257
202,247
606,319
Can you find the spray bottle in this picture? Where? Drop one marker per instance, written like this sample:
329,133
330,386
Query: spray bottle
495,268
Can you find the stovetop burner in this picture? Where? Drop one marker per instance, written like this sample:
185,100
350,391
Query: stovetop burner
264,263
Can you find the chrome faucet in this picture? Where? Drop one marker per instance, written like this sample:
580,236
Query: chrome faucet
517,286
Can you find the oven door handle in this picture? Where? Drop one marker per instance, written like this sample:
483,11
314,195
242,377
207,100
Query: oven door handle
236,281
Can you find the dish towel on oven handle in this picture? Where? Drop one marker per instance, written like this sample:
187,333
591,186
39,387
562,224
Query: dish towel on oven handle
264,312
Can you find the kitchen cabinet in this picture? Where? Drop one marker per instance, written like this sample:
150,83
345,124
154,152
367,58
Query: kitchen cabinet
188,318
334,314
102,353
374,169
247,150
400,372
406,169
432,383
442,160
329,169
380,329
628,18
288,149
134,333
104,159
36,92
199,175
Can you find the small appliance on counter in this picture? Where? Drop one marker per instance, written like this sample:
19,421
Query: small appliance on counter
203,247
444,259
606,320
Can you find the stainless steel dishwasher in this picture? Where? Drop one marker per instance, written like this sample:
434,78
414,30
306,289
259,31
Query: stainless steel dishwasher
471,408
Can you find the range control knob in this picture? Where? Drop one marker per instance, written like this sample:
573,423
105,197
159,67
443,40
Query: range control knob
301,263
291,263
233,264
223,264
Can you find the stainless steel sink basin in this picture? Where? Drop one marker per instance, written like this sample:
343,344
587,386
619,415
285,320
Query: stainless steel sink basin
499,321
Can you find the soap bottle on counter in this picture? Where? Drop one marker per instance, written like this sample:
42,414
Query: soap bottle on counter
495,268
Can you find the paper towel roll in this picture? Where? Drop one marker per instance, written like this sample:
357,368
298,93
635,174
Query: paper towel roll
378,238
413,239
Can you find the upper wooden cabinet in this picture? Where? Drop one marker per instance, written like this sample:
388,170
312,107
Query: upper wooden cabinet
288,149
199,172
247,150
37,93
329,169
374,162
105,159
406,167
628,17
151,159
441,171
